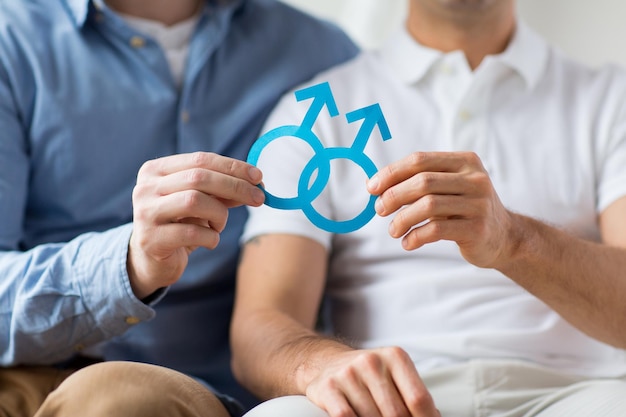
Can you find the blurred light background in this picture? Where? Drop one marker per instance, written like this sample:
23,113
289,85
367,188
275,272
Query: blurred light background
591,31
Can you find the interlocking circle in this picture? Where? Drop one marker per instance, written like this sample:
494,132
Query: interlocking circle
320,162
307,194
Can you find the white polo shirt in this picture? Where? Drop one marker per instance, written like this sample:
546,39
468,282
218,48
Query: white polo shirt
550,132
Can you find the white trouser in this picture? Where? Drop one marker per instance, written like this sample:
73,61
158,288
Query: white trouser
486,388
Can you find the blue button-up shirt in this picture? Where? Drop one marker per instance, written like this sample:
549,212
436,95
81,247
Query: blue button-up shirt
84,103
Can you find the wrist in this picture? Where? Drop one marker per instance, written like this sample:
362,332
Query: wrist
519,242
137,272
314,363
141,289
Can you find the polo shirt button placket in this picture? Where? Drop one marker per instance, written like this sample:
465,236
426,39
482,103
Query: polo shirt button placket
465,115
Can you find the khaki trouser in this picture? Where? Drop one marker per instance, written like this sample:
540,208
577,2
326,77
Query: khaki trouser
106,389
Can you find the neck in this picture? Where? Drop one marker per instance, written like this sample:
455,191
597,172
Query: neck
167,12
477,31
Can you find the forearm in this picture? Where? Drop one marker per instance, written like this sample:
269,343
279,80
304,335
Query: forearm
583,281
274,355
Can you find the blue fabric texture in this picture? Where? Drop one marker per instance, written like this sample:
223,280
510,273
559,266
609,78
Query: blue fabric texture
82,106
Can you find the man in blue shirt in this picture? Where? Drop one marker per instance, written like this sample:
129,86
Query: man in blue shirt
122,191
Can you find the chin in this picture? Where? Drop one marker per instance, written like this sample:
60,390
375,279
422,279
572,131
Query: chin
466,4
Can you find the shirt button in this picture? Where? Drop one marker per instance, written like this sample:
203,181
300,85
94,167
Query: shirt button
79,347
465,115
132,320
447,69
184,116
137,42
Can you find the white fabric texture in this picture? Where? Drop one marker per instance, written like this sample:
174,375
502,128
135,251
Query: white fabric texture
501,388
552,135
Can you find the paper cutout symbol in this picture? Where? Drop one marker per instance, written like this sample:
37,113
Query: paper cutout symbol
322,96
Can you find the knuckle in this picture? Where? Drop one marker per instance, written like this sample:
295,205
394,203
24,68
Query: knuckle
484,180
142,211
390,197
397,352
195,177
347,374
387,171
232,166
330,384
480,181
401,219
424,181
199,159
139,239
149,167
343,411
429,202
472,158
416,158
191,233
140,215
139,190
239,188
418,400
369,360
396,410
435,229
190,199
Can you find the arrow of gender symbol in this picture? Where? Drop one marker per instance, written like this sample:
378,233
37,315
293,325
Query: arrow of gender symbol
372,116
322,96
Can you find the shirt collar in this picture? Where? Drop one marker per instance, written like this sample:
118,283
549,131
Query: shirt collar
79,9
526,54
407,58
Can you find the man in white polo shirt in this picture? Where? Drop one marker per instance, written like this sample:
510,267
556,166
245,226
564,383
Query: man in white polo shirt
491,281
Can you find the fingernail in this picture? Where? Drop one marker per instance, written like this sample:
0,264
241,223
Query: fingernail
255,174
392,230
372,184
258,196
379,206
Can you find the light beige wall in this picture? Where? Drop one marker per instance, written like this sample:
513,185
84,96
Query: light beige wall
592,31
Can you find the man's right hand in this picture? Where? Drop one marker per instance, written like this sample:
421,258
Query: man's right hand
180,203
370,383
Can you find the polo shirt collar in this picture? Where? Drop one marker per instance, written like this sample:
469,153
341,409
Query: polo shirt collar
407,58
79,9
526,54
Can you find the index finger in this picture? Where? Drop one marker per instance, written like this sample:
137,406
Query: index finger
417,162
416,396
206,160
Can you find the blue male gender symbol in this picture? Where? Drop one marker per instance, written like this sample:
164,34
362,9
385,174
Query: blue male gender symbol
322,95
